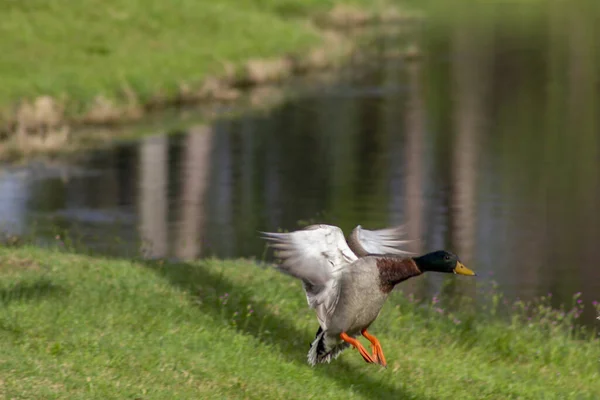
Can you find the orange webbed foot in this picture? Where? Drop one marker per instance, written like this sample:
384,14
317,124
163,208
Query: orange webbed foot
376,346
357,345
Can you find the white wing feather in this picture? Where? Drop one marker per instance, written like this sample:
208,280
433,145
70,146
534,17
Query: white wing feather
381,241
317,255
314,254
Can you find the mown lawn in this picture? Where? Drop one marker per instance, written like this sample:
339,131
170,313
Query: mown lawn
85,48
87,327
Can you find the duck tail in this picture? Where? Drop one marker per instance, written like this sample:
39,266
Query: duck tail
319,353
317,348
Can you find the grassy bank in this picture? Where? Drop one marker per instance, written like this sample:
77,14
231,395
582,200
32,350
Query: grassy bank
69,64
128,51
94,47
101,328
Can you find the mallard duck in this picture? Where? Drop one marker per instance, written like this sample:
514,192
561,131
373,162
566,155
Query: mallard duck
347,282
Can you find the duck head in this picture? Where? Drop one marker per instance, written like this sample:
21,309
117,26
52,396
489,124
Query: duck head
442,261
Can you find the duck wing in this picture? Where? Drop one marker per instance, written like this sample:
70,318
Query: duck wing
317,255
382,241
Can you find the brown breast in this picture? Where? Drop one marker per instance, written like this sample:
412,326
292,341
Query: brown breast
393,270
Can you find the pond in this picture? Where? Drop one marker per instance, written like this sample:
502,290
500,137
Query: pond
486,144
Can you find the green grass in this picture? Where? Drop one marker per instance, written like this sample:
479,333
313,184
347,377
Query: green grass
97,328
78,50
90,47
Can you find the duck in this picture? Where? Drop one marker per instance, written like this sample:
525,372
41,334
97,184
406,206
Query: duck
347,280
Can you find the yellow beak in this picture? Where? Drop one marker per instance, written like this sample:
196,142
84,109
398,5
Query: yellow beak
462,270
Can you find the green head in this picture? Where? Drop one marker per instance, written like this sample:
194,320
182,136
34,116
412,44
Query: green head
442,261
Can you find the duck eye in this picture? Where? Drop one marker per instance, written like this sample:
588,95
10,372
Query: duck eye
447,258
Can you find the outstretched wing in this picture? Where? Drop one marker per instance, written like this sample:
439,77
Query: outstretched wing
382,241
317,255
314,254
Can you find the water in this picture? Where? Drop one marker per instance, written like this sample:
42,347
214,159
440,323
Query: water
487,145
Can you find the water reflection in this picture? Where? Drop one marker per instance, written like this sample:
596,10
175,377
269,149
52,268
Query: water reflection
12,207
152,196
195,170
487,146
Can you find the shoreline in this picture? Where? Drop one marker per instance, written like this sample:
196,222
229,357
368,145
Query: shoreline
45,124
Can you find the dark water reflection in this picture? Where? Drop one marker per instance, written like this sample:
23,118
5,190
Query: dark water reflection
488,146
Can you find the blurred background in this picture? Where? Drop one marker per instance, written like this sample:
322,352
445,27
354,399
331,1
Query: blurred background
482,138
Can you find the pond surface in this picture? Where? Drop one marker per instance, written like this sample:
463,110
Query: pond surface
487,145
